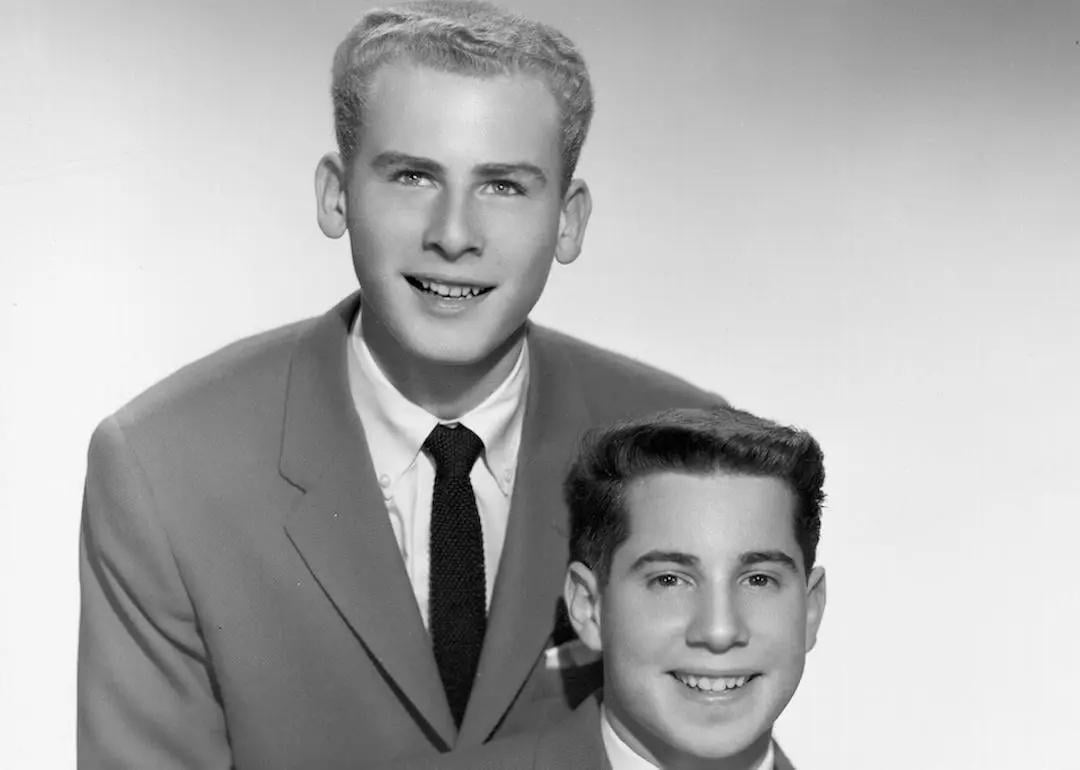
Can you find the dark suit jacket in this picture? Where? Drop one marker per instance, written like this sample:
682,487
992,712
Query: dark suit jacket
575,743
244,602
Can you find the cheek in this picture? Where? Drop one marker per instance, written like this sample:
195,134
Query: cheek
380,222
379,249
643,643
525,237
780,632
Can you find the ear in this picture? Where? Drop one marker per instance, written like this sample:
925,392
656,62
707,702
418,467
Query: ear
582,595
815,605
330,195
576,208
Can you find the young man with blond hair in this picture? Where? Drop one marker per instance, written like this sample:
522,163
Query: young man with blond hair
342,541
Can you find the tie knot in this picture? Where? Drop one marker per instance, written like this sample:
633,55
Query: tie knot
454,450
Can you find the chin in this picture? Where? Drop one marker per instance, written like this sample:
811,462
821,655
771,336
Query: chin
717,744
717,736
453,351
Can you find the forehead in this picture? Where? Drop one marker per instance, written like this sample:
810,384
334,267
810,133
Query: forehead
711,516
450,117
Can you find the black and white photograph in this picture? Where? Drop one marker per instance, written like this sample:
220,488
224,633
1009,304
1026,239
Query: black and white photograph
587,384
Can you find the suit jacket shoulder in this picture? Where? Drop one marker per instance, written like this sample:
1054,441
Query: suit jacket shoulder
232,370
614,385
217,419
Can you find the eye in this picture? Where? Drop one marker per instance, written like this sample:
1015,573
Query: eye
760,580
667,580
504,187
412,178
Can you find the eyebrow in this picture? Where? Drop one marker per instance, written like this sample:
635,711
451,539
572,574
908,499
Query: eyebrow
747,559
391,159
387,160
751,558
675,557
492,170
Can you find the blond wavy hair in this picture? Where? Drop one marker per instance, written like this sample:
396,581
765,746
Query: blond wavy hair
464,37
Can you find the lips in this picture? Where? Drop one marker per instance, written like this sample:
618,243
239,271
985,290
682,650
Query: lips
713,684
446,289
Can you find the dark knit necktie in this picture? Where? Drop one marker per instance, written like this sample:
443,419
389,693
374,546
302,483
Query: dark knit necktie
457,609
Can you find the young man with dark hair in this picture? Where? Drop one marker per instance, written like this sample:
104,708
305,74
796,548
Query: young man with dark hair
693,544
342,541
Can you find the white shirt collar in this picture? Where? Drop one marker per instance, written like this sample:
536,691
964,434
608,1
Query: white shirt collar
398,427
622,757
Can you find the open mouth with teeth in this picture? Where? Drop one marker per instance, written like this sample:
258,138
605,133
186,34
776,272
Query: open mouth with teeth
713,684
459,291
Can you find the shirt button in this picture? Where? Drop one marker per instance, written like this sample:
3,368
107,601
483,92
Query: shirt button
507,475
384,481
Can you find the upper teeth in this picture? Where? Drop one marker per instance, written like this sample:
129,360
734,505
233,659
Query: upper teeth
712,683
447,290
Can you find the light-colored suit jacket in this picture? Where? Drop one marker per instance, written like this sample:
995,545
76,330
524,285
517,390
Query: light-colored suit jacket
244,601
575,743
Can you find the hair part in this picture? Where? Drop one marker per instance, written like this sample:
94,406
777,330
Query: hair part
464,37
686,441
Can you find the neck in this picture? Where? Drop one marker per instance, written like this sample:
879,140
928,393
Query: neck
446,390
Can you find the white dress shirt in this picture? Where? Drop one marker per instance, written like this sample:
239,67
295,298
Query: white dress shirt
396,429
622,757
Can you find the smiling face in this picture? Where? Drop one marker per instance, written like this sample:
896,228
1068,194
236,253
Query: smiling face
454,210
706,616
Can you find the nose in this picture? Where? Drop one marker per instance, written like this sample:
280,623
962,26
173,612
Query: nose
452,229
717,623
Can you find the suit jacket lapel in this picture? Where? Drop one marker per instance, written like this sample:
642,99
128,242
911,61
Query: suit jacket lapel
535,552
341,527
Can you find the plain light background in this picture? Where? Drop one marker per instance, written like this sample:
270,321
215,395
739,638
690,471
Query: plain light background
860,217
